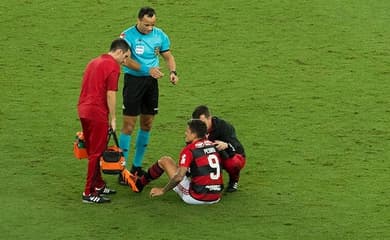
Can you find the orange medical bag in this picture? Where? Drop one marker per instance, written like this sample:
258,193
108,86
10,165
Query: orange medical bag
112,160
79,149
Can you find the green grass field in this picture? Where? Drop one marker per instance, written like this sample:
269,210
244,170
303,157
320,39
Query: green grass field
306,84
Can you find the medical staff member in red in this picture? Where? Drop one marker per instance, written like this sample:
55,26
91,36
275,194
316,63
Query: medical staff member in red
197,179
96,109
224,135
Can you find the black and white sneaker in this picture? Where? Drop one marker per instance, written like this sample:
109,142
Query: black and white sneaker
95,198
105,190
232,187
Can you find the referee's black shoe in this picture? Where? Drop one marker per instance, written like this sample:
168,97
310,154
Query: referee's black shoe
121,180
138,171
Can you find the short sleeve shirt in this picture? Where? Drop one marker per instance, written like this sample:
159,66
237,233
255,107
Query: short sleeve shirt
204,163
100,76
145,48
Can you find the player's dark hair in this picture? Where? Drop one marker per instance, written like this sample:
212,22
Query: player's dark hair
148,11
201,110
198,127
119,43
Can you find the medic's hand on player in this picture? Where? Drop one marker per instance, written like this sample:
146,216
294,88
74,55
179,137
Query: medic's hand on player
221,145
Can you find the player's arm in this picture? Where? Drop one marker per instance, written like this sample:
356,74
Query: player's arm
173,181
171,63
179,175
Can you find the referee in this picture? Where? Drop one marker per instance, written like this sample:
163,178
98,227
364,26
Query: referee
140,91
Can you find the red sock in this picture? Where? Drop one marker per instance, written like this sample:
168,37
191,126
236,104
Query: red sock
154,172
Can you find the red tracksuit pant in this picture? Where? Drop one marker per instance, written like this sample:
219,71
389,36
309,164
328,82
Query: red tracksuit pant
95,135
233,166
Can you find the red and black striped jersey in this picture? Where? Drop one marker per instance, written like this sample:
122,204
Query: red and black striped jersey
204,164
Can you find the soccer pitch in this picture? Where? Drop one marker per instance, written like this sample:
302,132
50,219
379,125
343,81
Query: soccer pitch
305,83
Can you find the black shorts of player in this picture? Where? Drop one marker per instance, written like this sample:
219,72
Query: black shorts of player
140,95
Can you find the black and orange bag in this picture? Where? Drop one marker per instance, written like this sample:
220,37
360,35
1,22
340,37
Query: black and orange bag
79,149
112,160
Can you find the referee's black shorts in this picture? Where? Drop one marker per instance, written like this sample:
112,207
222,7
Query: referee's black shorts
140,95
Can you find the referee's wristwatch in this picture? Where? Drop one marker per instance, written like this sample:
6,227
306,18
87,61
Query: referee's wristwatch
174,72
